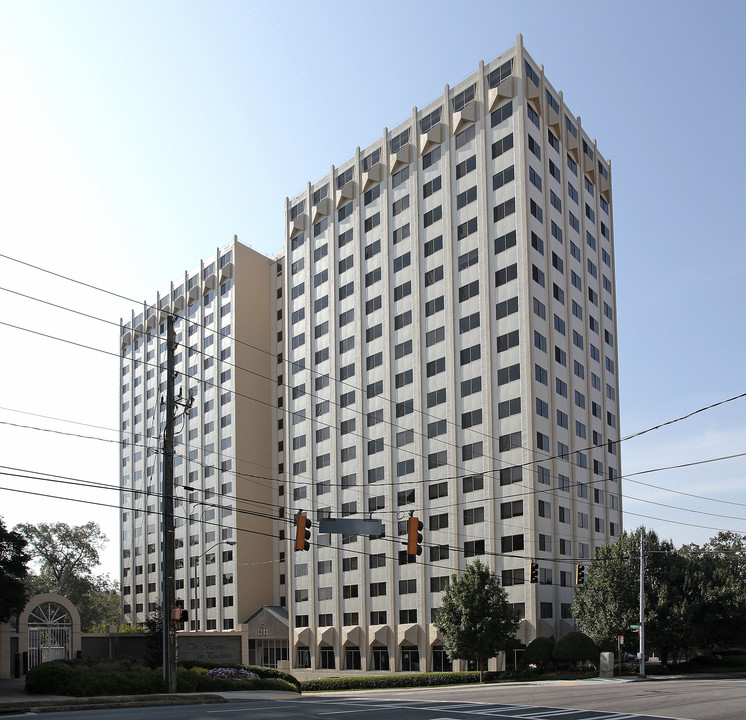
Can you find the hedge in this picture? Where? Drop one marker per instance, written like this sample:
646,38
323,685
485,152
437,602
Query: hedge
68,677
362,682
399,680
84,679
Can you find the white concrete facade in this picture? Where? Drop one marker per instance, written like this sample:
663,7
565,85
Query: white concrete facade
226,547
450,349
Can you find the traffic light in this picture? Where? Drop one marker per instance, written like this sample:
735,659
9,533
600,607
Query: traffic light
178,613
302,532
414,536
579,574
534,572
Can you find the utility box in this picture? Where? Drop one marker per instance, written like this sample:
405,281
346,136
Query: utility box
606,667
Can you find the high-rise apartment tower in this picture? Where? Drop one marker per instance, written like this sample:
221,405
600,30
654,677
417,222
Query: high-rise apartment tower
450,350
225,497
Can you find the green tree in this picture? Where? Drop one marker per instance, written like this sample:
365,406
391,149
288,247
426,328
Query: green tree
609,600
13,572
67,556
101,605
475,618
716,583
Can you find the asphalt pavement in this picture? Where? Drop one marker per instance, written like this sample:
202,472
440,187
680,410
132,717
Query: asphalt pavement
13,695
543,699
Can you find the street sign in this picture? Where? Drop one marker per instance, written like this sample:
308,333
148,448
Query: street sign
350,526
634,627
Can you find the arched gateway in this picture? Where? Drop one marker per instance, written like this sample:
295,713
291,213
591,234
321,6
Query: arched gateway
49,626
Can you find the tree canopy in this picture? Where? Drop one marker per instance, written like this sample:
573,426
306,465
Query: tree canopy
67,556
475,618
716,586
695,597
13,572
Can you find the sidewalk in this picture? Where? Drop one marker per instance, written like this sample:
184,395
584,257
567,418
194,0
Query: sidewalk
13,696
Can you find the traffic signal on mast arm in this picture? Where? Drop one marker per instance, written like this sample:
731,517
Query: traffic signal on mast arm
579,574
414,536
302,532
534,572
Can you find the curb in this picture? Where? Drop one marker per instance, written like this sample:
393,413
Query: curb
31,708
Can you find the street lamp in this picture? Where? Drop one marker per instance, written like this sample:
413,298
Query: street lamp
194,561
231,543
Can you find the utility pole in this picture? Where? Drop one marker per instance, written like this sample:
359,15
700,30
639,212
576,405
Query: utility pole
167,554
642,602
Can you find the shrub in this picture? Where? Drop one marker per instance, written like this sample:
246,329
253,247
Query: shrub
539,651
264,673
719,660
235,674
50,677
575,647
85,679
82,679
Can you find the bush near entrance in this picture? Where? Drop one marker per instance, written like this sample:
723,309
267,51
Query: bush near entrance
78,678
575,647
539,651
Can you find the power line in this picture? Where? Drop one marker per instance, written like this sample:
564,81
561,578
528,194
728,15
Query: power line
477,433
262,350
452,548
342,382
680,522
686,494
287,521
364,437
675,507
465,502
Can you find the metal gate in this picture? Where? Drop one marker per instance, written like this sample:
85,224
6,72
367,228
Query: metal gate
49,633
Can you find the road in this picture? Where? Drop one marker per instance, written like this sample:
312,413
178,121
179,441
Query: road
720,699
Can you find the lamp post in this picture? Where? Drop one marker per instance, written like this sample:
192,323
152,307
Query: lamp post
188,521
231,543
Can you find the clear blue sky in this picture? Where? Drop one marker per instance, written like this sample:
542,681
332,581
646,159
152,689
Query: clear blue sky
135,137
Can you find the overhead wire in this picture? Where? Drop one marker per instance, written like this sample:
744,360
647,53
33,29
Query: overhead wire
335,380
472,429
459,550
365,437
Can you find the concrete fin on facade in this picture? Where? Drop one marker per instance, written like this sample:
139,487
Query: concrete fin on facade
298,224
466,116
346,193
504,91
402,157
373,176
321,209
434,136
